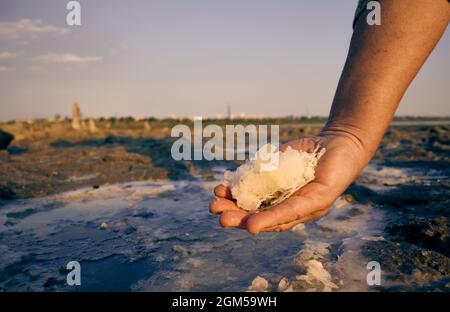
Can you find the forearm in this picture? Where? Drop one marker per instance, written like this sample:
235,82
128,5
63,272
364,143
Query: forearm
381,63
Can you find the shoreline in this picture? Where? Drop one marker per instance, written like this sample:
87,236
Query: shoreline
49,158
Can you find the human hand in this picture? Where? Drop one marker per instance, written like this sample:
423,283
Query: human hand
337,168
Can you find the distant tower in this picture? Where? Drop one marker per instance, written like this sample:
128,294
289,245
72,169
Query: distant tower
76,116
147,126
92,126
228,111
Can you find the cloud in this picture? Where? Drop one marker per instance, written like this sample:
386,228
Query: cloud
3,69
6,55
28,29
67,58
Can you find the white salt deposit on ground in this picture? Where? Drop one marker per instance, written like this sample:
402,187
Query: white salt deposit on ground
312,250
259,284
317,275
284,285
253,186
66,227
134,191
299,229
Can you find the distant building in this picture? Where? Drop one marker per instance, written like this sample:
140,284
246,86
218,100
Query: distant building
76,116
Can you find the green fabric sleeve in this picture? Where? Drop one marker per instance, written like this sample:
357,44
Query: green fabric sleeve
362,5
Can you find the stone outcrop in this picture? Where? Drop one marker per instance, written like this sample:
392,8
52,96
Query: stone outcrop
5,139
76,117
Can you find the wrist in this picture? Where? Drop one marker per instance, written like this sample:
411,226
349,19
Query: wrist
346,136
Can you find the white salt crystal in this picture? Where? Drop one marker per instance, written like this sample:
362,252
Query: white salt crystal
254,188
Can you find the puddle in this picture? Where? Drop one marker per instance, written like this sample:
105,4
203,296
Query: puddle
159,236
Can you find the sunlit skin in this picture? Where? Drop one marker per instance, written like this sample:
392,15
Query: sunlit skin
381,63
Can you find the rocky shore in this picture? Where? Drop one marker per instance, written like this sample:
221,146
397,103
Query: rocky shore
396,213
48,157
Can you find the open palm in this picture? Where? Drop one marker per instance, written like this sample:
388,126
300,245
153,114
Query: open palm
336,169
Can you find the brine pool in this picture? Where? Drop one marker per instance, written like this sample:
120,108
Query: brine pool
160,236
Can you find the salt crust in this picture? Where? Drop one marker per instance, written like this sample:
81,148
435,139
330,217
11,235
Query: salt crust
253,187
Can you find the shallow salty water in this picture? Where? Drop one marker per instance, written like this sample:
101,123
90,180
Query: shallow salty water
159,236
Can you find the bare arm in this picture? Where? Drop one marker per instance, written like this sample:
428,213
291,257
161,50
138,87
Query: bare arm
381,63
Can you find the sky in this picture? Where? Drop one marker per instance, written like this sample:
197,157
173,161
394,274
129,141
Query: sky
187,58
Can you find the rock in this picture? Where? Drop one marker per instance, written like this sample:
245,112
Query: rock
5,139
349,198
76,117
426,266
259,284
433,234
284,284
6,192
417,276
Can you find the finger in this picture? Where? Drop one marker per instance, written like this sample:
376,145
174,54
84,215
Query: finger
233,218
315,215
223,191
220,205
281,227
294,208
287,226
